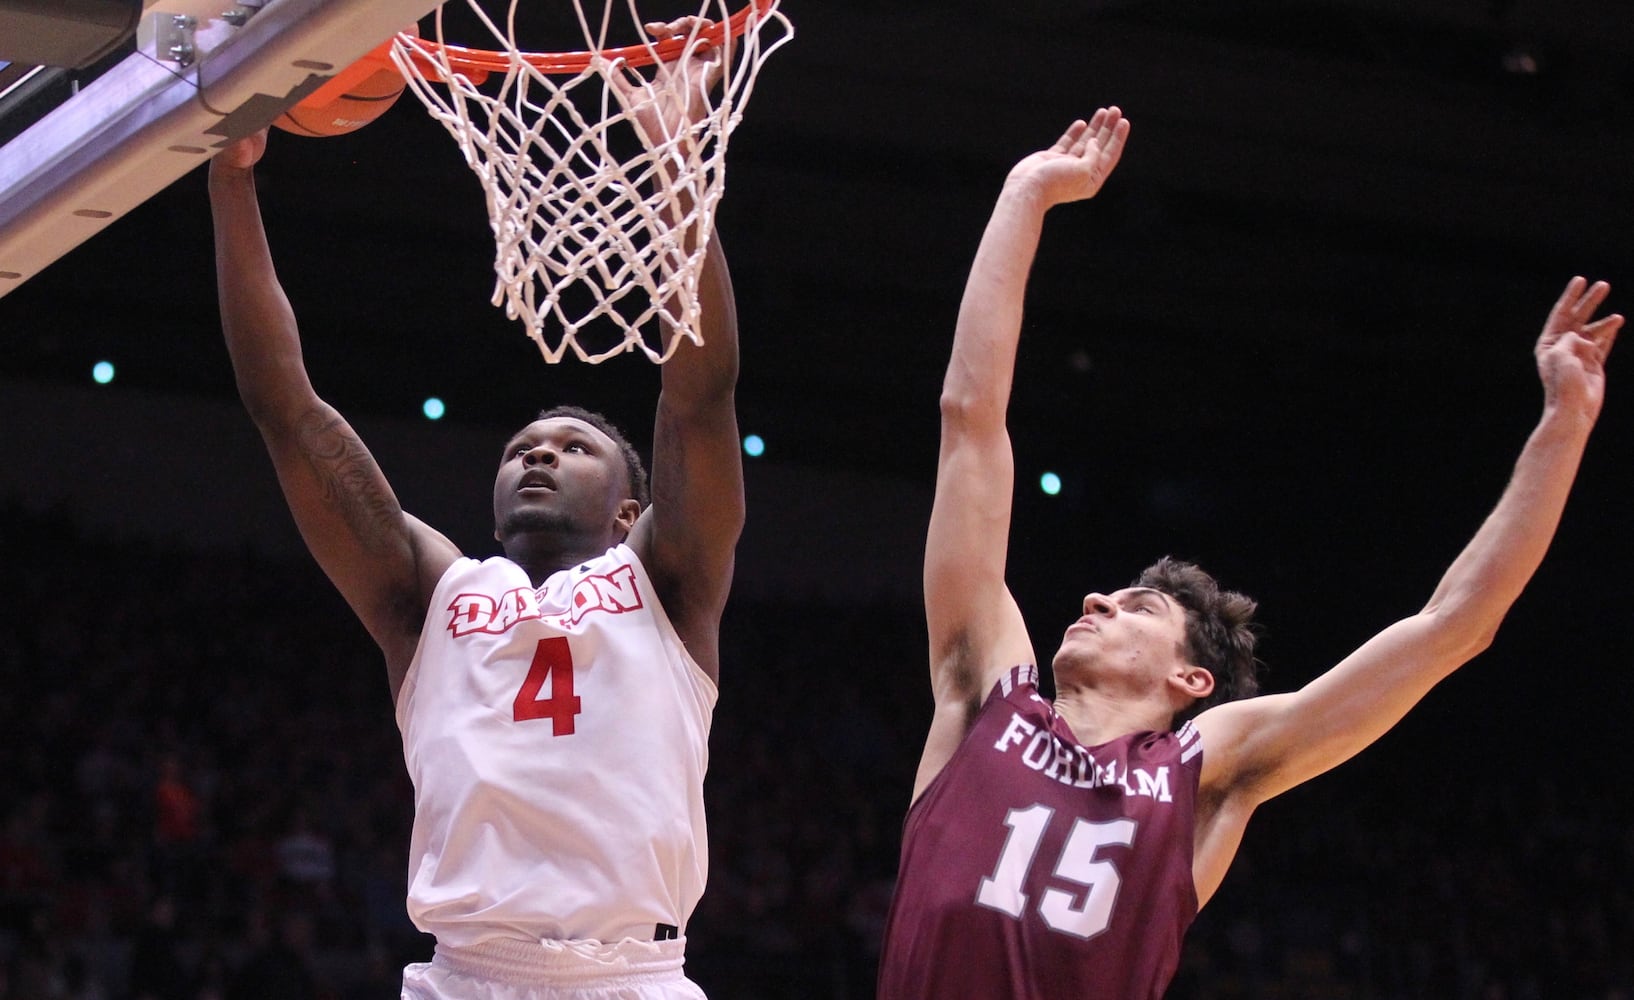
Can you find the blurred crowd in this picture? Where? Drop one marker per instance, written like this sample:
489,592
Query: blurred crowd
203,798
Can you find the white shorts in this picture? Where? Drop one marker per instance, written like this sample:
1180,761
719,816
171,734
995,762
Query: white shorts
558,970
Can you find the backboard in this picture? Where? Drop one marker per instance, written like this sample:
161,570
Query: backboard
81,150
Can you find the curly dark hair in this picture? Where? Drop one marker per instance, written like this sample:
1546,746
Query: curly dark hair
632,460
1220,631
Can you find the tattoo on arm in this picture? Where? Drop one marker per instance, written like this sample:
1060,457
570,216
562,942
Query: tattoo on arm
349,481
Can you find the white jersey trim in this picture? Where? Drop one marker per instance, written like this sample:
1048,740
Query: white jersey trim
567,963
1191,742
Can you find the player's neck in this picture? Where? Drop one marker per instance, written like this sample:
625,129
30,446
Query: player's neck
1097,717
542,553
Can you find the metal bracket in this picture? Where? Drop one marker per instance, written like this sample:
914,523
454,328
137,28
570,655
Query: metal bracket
240,13
173,38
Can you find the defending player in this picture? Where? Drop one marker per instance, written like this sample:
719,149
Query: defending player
554,702
1062,850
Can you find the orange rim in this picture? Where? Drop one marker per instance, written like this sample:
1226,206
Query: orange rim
483,61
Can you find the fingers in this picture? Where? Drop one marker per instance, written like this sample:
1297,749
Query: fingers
1574,290
699,50
1106,145
1580,299
1588,353
1104,129
1603,331
1574,311
1592,299
661,30
1589,346
1112,145
1071,140
243,154
624,79
691,26
1109,136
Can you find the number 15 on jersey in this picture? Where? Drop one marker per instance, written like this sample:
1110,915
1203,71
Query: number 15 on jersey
1060,909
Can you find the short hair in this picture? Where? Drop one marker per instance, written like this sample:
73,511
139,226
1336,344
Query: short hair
1220,631
636,471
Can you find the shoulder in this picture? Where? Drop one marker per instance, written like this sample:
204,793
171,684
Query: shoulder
1020,679
1240,737
1014,690
1183,747
434,553
692,594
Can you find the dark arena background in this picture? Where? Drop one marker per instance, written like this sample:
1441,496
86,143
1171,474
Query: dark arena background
1290,341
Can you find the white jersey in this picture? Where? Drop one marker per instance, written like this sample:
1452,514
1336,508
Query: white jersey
557,739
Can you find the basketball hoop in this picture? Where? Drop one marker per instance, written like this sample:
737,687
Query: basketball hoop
593,220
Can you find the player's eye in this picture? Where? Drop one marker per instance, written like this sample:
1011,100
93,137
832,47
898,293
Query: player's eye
578,447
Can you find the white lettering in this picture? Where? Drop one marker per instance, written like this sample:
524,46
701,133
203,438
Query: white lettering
470,613
1154,787
1018,730
1083,770
614,593
1060,766
1038,752
516,605
1073,765
618,589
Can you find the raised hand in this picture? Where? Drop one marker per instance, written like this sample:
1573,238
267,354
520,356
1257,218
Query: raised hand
1080,161
1571,351
678,95
245,153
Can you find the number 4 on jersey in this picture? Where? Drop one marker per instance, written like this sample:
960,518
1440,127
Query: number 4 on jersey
552,665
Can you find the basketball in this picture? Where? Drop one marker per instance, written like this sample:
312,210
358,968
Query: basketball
364,101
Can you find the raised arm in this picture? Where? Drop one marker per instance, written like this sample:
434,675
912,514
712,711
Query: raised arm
1258,748
976,630
384,562
688,537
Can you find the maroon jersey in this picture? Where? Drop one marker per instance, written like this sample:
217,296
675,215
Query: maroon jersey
1036,867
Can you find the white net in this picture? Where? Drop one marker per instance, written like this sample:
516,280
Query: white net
600,224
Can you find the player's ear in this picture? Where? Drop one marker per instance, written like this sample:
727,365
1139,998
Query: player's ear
1197,682
626,514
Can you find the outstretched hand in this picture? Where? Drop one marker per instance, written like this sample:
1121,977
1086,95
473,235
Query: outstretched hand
245,153
1080,161
678,95
1571,351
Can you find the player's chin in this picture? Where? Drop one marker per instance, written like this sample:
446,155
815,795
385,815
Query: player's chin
524,520
1070,654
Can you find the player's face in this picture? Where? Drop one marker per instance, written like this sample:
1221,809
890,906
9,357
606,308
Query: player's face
1138,634
560,474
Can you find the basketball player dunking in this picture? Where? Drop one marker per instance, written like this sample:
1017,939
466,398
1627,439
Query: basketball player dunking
1062,849
554,702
